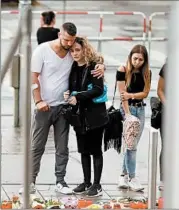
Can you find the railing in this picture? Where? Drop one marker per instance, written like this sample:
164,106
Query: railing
101,20
150,38
101,14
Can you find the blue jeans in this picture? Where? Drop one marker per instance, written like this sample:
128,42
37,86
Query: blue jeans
129,162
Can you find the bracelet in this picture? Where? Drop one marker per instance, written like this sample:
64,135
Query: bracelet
133,96
38,102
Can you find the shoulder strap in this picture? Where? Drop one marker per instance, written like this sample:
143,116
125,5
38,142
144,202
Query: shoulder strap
87,70
114,93
84,76
113,100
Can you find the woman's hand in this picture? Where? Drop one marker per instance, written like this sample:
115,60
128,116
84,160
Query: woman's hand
66,95
125,96
72,100
127,114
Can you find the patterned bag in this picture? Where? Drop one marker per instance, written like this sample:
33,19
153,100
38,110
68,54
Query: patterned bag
131,129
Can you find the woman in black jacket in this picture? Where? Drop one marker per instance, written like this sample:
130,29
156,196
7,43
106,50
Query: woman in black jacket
93,115
47,32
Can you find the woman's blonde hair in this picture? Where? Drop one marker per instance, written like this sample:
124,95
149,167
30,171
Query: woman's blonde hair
90,54
144,68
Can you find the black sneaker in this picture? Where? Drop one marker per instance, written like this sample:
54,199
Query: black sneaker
95,190
82,188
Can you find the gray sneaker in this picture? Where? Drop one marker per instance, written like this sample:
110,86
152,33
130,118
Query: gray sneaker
32,189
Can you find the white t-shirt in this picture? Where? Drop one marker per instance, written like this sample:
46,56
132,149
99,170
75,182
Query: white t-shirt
54,73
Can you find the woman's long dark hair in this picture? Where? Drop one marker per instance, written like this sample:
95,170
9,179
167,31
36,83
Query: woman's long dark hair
144,68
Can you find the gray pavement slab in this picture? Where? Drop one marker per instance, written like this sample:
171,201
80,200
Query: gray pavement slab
12,161
47,192
104,197
4,194
125,193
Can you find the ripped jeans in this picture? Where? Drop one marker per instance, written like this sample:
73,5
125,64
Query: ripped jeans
129,162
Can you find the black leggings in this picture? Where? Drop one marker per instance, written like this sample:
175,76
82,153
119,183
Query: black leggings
86,165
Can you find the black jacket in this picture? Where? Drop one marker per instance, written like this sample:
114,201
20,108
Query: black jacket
93,115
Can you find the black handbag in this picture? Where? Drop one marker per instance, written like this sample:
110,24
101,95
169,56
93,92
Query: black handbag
72,115
156,108
113,130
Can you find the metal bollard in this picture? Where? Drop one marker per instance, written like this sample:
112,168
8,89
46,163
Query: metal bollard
99,46
26,12
15,83
152,176
99,49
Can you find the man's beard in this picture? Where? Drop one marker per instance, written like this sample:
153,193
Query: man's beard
67,49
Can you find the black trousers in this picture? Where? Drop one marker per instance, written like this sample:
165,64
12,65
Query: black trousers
97,164
90,145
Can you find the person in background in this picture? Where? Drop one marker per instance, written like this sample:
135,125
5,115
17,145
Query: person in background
93,115
161,95
47,32
134,82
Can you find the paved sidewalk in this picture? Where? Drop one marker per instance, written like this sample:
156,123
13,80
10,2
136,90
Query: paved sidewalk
12,165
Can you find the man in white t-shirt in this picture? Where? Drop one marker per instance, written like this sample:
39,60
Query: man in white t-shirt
51,65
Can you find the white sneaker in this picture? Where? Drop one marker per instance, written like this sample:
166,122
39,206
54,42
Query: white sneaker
32,189
64,189
123,182
135,185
